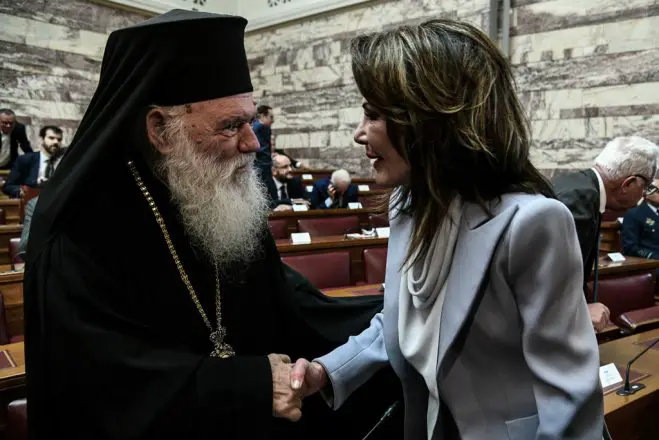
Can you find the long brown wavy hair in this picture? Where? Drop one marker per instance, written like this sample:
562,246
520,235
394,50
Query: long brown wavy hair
447,91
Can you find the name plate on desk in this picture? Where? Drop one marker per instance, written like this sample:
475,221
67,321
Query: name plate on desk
6,361
309,188
354,205
616,257
363,188
300,238
382,232
300,207
609,375
307,177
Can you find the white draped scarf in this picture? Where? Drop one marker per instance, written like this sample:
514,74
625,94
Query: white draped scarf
421,297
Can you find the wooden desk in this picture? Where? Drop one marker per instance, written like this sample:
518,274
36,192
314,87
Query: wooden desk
293,216
634,417
11,288
631,265
7,232
11,378
330,243
12,208
365,290
610,237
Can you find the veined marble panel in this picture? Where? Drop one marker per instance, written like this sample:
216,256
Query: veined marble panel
51,36
621,36
597,70
562,14
44,109
72,14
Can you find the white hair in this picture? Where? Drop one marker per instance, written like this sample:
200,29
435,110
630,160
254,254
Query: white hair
341,175
628,156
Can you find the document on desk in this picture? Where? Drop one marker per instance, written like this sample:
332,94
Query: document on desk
6,361
609,375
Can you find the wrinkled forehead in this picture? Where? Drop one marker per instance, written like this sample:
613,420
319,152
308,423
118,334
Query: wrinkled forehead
5,117
236,106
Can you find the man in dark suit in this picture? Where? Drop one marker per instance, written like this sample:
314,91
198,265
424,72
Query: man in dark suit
640,227
35,168
285,190
334,192
13,136
623,171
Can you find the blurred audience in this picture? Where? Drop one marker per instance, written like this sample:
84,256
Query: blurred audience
285,190
640,227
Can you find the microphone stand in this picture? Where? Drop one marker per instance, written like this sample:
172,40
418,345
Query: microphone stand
630,389
385,416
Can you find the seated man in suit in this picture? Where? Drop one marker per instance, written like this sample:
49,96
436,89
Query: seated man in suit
640,227
284,189
334,192
13,137
623,172
34,169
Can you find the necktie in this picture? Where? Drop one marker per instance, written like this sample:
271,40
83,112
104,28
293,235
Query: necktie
283,195
50,167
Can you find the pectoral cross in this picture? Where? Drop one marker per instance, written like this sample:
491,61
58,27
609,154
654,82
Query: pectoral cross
220,348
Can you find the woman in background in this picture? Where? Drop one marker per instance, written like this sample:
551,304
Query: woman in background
485,320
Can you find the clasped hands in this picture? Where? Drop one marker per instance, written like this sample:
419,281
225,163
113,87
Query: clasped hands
293,382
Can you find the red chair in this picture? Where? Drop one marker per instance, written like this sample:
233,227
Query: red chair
375,264
17,420
13,250
278,228
328,225
378,220
331,269
625,294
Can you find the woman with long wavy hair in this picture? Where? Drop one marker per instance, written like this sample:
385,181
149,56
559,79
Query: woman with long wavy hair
484,320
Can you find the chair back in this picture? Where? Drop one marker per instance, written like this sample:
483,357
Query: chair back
328,225
625,293
324,270
17,420
378,220
278,228
375,264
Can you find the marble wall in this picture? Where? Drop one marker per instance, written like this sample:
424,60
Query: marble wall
586,72
50,57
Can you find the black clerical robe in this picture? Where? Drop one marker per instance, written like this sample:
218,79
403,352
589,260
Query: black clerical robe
116,348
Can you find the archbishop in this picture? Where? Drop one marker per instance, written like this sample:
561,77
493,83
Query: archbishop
156,302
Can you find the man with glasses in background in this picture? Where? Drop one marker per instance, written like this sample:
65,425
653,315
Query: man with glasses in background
623,172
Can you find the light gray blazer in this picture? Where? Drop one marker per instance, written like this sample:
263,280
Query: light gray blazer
518,357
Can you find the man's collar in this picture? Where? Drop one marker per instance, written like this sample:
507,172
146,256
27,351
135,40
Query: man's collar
278,184
652,207
602,191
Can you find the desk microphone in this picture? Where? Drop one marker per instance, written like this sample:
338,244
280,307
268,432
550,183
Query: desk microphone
385,416
630,389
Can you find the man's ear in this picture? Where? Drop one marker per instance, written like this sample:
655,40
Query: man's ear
155,129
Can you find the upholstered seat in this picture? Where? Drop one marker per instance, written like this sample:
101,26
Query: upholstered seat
278,228
375,264
330,269
329,225
5,336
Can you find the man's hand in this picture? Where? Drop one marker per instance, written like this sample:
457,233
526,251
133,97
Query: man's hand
308,377
301,202
599,315
331,191
280,208
286,403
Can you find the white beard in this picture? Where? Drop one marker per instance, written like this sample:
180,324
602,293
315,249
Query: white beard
224,210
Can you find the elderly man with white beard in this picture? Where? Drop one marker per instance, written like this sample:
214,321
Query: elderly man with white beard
156,303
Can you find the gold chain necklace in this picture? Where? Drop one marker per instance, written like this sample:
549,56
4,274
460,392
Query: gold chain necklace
220,348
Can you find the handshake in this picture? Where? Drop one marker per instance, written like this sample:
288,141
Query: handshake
293,382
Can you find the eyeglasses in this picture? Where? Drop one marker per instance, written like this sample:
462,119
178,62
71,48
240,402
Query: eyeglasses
650,188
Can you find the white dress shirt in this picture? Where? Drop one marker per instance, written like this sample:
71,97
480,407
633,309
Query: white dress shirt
5,149
602,191
43,164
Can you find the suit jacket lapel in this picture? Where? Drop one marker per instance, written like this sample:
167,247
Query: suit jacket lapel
476,244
